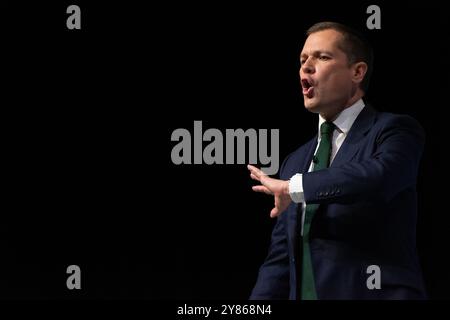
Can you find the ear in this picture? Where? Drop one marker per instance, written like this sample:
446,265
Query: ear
359,70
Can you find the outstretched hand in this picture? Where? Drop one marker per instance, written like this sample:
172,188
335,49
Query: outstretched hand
278,188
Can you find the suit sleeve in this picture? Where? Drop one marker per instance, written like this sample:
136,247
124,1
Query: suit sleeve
273,276
392,168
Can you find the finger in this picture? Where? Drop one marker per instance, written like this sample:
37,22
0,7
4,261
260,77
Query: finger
274,213
262,189
275,210
254,171
276,202
254,177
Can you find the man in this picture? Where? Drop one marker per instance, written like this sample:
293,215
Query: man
346,201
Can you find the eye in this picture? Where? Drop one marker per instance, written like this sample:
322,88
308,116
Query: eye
324,58
302,61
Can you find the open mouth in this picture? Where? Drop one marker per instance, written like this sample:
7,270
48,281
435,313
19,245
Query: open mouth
308,88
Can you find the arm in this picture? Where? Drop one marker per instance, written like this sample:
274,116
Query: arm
392,168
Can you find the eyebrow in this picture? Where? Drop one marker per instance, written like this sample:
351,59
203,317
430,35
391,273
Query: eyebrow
317,52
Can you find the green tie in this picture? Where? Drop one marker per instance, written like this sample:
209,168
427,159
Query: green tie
321,161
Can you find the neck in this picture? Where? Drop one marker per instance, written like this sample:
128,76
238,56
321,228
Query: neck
333,113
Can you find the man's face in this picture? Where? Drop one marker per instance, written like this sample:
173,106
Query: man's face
326,77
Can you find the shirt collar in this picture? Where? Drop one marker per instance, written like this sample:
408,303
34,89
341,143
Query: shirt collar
346,117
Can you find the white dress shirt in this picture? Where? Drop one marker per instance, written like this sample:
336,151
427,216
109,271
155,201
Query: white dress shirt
343,123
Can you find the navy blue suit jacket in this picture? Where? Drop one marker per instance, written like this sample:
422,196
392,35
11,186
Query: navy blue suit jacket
367,216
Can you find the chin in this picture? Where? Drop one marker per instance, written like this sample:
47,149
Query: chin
311,105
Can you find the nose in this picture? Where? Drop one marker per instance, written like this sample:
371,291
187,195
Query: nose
307,67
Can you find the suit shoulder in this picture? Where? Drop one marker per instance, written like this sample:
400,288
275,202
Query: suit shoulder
393,118
391,121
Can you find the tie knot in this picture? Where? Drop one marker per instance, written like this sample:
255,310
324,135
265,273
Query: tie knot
326,128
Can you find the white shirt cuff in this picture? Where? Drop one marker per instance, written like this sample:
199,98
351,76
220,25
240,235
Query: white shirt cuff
296,188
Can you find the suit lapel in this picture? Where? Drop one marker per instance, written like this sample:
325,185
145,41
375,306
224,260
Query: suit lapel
306,161
351,144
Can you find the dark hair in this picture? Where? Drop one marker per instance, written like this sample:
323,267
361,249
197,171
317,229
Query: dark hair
353,44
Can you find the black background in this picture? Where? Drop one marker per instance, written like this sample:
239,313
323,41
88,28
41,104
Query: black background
86,126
